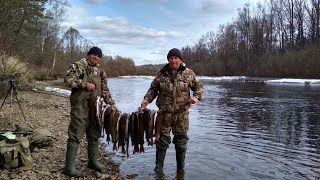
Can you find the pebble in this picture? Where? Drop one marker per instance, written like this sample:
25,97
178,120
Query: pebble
4,177
12,175
45,173
33,177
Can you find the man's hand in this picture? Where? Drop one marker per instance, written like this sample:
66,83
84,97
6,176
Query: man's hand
144,104
193,100
90,86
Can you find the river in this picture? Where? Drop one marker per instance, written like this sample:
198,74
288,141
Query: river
239,130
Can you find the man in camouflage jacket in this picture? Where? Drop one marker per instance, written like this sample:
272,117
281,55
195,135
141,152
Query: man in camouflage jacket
172,87
84,77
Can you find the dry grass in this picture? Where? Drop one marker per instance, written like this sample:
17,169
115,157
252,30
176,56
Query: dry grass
11,68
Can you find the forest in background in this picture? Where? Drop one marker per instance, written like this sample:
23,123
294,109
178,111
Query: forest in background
277,38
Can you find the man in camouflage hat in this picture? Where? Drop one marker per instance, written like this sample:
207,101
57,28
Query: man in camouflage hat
172,86
84,77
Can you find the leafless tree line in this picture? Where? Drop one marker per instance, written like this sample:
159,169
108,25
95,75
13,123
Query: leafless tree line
30,29
278,38
32,32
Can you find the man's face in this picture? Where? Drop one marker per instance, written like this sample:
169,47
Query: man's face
94,58
174,62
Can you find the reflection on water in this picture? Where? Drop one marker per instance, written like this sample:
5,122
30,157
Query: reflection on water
240,130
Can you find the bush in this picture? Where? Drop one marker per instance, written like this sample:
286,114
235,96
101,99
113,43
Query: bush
12,68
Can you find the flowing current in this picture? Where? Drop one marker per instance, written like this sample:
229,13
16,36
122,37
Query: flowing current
239,130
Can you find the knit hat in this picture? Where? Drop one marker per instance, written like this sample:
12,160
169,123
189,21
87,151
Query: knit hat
96,51
174,52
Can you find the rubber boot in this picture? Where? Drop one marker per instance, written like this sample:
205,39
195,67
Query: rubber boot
70,167
160,155
180,157
93,156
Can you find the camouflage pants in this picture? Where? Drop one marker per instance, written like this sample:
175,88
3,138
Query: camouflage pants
79,124
179,124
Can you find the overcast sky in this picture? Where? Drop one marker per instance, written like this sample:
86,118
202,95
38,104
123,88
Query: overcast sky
145,30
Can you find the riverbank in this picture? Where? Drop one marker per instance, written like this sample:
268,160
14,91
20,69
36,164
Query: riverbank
49,111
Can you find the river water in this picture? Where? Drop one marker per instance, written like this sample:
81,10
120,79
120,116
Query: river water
240,130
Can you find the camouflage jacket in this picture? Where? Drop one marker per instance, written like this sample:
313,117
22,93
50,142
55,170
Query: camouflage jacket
174,93
81,72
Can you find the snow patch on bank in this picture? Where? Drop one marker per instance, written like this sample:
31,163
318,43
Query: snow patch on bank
294,81
58,90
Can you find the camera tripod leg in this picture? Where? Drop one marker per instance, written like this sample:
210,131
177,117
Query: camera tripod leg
5,98
11,99
12,91
9,91
16,94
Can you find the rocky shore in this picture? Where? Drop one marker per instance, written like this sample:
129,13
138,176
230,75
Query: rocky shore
49,111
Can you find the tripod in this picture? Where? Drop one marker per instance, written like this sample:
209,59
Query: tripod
12,90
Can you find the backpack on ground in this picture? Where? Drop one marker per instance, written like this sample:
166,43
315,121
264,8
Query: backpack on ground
41,137
15,153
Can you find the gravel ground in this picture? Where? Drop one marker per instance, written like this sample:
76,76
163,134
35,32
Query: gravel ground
49,111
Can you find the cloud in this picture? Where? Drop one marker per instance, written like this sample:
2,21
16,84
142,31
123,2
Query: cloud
116,30
156,52
213,7
96,2
145,1
145,30
217,7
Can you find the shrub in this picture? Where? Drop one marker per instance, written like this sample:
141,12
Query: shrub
11,68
